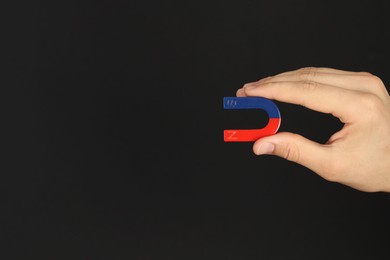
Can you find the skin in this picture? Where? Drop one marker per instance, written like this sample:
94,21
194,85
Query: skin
359,154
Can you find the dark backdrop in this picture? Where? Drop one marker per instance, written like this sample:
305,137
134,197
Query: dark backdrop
115,120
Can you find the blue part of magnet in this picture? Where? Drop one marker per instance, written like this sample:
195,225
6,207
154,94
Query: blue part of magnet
252,103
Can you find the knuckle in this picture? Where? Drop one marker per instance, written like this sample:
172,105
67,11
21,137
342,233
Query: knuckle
291,152
309,85
371,103
307,73
375,81
308,88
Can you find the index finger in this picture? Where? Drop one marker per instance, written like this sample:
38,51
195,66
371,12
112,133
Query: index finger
323,98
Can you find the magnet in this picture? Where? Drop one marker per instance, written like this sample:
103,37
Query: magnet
250,135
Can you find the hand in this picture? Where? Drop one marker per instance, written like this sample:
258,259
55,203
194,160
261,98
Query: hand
359,154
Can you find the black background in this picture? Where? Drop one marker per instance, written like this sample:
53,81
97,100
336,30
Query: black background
114,119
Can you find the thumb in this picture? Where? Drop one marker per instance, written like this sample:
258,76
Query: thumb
295,148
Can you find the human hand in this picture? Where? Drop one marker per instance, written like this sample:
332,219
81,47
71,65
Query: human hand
359,154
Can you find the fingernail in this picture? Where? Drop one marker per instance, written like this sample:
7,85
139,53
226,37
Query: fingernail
240,92
265,148
250,86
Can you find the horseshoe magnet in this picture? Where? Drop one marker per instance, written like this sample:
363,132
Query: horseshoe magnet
250,135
